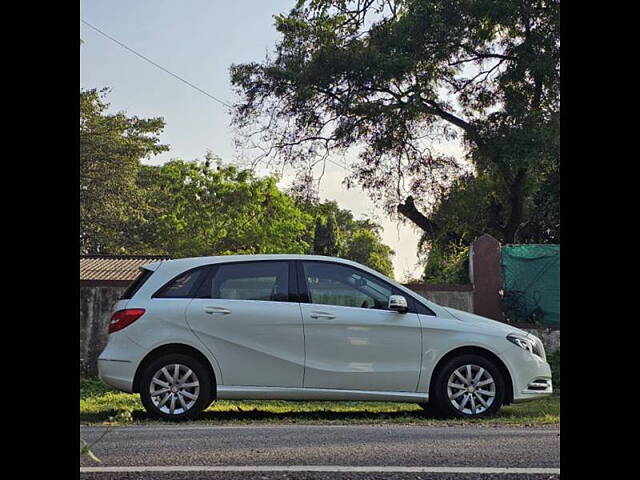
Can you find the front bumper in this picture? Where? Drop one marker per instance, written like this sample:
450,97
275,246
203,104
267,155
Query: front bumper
118,362
537,388
530,375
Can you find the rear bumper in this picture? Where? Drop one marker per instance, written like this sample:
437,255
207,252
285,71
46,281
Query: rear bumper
118,362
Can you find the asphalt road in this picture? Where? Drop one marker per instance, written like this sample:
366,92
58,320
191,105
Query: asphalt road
364,452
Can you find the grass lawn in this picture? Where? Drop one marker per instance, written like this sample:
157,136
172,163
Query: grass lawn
100,404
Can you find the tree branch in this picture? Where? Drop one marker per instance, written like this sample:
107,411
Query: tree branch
409,210
458,122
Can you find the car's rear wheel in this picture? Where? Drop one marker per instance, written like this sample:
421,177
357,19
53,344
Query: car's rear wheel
175,387
469,386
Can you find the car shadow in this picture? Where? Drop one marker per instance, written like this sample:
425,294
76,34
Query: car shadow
239,415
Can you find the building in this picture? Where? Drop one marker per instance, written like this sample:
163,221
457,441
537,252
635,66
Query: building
112,270
103,278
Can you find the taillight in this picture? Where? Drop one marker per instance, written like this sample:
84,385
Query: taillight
124,318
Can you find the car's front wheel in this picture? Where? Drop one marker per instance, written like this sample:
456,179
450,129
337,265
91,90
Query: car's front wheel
175,387
469,386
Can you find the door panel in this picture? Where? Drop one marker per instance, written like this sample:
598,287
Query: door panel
361,349
364,347
256,342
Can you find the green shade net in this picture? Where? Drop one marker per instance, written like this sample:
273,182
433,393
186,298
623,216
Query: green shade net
531,284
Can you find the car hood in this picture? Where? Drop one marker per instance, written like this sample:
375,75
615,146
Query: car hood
484,323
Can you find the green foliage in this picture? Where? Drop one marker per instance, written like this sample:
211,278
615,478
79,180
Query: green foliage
365,247
123,415
93,387
325,237
462,214
472,207
543,225
196,209
393,78
338,232
111,147
108,405
450,266
554,360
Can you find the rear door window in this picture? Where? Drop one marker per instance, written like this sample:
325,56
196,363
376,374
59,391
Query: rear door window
263,281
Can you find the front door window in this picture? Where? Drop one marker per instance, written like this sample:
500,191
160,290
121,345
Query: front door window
341,285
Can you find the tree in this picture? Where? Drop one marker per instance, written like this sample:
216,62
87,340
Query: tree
461,215
325,238
470,208
111,147
338,233
394,77
205,208
366,247
543,225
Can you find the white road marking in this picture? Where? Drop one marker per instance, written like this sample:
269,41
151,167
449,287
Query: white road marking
319,468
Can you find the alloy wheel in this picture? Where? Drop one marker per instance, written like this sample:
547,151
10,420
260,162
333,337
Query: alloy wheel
471,389
174,389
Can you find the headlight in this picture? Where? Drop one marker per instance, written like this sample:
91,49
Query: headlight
528,344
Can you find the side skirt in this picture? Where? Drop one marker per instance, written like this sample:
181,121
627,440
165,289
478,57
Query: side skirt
238,392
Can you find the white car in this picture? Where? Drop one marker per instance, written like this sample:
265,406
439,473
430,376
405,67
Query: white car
301,327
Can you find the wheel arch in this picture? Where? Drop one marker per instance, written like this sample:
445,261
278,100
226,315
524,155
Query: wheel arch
169,349
483,352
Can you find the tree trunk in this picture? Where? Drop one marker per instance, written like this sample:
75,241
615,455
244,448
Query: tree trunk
516,201
409,210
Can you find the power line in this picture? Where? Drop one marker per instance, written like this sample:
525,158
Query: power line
154,63
169,72
337,164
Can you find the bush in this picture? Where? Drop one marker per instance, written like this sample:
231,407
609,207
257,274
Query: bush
93,387
449,267
554,361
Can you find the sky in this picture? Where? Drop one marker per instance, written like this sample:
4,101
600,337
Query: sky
199,40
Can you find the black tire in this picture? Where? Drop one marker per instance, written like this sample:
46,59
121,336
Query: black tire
440,395
203,396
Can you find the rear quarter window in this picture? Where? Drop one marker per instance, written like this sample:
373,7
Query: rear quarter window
184,285
131,290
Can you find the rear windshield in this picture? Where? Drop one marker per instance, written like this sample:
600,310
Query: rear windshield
136,284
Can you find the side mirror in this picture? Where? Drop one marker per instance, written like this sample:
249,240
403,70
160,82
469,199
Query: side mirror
398,303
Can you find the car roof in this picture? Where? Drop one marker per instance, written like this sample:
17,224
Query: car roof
197,261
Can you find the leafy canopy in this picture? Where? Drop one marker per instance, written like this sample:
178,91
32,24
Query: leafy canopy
338,233
197,209
393,78
111,147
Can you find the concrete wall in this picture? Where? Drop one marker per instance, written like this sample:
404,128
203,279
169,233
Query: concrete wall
96,304
460,300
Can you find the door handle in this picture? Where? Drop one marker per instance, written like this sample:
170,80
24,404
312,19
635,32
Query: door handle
325,315
214,310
